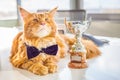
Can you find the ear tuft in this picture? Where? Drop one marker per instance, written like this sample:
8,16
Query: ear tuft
23,12
53,11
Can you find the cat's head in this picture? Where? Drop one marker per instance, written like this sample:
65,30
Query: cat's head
39,24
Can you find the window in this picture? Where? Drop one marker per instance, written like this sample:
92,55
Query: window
8,9
102,6
34,5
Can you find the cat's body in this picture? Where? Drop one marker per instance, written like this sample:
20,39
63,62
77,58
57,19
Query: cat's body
40,31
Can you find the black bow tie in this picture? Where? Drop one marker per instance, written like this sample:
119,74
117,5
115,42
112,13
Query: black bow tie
33,51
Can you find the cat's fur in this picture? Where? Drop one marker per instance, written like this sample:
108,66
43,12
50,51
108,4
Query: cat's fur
40,31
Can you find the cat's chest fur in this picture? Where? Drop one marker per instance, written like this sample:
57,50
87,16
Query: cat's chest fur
42,43
46,42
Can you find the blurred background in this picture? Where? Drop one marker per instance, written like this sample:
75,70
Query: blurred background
105,13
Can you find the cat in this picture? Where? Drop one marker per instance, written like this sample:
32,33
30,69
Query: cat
39,47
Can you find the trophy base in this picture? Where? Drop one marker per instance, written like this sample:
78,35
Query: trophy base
76,65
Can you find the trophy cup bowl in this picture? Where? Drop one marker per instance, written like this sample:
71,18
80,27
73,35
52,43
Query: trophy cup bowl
78,51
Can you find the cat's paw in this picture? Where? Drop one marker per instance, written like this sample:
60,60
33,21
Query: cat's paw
39,69
26,65
52,67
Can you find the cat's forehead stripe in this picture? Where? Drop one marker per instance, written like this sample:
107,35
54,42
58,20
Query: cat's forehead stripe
35,15
44,14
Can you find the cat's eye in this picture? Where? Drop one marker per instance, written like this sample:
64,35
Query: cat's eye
46,19
36,20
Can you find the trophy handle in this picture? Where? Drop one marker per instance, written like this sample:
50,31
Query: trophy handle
69,26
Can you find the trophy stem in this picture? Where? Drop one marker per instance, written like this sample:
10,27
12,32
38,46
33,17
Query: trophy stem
78,51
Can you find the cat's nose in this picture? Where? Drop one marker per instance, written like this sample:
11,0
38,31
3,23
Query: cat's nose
42,23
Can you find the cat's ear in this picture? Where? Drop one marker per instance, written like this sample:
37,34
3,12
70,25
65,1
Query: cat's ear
24,13
53,11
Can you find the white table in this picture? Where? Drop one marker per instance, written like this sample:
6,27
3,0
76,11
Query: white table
104,67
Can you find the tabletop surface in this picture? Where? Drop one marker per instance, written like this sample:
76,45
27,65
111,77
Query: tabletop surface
104,67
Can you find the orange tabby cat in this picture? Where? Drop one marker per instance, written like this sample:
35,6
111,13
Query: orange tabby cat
39,46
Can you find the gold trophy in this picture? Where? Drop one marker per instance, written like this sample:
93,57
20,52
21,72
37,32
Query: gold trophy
78,50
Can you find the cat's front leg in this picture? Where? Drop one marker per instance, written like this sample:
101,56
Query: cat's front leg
52,67
35,67
17,62
51,63
38,68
